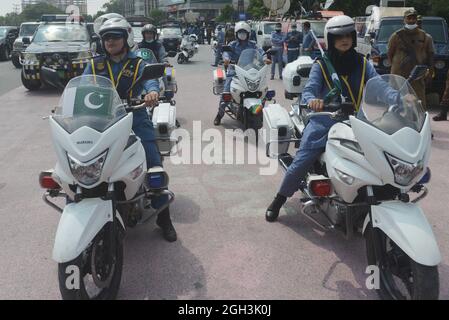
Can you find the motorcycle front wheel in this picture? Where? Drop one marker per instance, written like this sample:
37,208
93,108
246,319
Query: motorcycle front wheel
93,275
401,278
180,58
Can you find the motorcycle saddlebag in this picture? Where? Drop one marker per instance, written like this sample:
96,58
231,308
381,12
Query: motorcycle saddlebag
294,79
278,129
164,122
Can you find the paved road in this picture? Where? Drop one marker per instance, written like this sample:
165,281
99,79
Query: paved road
226,250
9,77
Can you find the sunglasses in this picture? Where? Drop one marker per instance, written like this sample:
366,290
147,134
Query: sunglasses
112,36
343,36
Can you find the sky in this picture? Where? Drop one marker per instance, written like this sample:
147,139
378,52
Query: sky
92,6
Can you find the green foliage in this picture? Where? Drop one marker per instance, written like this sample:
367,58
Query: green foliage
227,14
114,6
157,16
257,9
34,12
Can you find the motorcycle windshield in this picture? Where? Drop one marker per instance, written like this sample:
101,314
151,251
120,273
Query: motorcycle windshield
146,55
390,104
250,59
89,101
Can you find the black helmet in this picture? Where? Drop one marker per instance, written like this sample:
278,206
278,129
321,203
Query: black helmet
149,28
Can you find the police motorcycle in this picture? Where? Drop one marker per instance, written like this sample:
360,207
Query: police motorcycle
363,183
249,88
189,47
101,166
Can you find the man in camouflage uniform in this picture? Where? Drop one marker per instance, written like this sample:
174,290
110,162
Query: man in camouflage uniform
408,47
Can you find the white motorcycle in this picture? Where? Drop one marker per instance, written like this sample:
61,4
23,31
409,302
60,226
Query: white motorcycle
249,89
363,180
102,167
189,47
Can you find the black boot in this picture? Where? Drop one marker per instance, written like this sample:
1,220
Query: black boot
442,116
164,222
273,210
217,120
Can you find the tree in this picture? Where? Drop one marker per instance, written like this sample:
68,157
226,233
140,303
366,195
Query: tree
227,14
115,6
157,16
257,9
35,12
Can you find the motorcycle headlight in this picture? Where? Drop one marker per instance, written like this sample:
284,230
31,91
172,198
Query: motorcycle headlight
404,172
440,64
30,57
17,45
252,85
90,172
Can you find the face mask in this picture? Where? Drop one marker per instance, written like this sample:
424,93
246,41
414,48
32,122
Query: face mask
411,26
242,36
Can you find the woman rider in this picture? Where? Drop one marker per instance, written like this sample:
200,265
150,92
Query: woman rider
353,71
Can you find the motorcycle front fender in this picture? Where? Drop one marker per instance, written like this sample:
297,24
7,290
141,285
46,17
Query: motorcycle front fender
407,226
80,223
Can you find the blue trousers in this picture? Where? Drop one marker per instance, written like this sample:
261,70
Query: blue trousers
143,128
218,54
226,88
296,173
292,55
277,59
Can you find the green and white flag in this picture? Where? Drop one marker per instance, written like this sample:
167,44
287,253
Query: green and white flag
88,100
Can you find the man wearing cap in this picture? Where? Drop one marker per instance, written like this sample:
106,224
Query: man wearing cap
408,47
308,41
294,39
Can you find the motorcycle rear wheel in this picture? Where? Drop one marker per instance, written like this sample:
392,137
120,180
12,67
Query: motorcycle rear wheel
401,278
108,273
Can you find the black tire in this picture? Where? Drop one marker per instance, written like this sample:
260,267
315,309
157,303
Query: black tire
180,58
422,281
32,85
83,263
16,62
5,53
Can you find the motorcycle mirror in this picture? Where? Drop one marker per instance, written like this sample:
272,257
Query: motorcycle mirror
51,77
226,48
150,72
418,72
259,33
26,40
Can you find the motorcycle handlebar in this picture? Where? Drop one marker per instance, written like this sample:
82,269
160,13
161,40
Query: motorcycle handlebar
331,109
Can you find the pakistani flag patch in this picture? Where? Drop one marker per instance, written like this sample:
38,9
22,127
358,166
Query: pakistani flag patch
93,101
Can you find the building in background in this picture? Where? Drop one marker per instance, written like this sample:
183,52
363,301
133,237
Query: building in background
61,4
207,9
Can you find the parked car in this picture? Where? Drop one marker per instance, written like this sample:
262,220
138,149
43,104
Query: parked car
435,26
64,47
7,37
27,29
263,33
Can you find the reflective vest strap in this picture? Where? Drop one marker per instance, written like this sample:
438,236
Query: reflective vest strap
135,76
324,75
92,63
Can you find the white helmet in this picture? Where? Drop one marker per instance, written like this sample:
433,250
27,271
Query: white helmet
339,25
118,25
242,25
103,18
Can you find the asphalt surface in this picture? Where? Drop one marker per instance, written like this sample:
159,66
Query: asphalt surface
9,77
225,249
